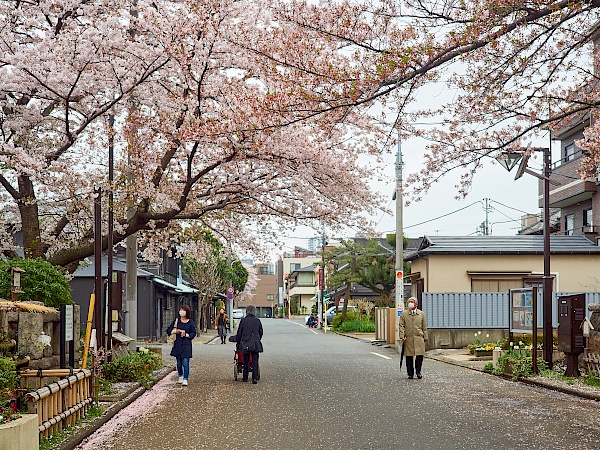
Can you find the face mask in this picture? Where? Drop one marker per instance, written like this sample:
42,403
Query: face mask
182,313
412,306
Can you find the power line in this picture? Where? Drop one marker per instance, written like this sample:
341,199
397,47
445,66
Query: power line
442,216
510,207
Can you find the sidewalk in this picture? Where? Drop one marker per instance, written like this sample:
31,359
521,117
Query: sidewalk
127,393
461,357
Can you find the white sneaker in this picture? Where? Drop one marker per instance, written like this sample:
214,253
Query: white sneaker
184,382
180,381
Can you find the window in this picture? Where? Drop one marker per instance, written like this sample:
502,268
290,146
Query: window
270,297
587,218
569,152
495,285
263,270
569,224
294,266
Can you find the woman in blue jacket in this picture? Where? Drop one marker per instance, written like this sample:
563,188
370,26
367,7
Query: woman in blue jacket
182,347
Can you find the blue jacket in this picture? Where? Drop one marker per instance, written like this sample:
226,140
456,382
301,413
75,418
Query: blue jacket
182,348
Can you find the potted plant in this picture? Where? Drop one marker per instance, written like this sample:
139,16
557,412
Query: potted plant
485,350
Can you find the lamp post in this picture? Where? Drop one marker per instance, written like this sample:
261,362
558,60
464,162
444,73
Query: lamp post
508,160
15,282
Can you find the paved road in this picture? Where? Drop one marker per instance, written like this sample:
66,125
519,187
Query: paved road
328,391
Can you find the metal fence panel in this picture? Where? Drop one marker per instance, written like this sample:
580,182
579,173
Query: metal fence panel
483,309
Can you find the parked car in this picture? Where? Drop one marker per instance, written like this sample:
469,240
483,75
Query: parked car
237,314
331,312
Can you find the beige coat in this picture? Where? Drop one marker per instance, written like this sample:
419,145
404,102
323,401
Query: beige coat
414,327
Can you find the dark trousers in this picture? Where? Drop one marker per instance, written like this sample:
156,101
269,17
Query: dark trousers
247,366
410,368
222,330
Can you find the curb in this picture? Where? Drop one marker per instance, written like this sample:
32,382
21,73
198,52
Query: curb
564,390
133,394
358,338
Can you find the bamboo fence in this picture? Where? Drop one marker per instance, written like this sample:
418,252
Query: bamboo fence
60,403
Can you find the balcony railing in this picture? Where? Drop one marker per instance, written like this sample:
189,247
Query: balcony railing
586,229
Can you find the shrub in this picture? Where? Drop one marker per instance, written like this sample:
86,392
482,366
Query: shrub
41,282
521,364
360,326
9,379
133,367
488,367
337,320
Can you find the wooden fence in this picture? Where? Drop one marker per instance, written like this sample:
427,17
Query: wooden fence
61,402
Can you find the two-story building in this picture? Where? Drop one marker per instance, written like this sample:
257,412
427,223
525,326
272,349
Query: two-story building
265,293
576,198
290,262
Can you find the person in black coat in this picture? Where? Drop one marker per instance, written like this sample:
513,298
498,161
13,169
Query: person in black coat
248,338
182,347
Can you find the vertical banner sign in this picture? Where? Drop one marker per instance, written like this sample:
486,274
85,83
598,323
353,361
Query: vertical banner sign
67,335
320,279
399,292
68,323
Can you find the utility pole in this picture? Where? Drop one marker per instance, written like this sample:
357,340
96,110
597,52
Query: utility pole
487,222
109,277
321,285
131,263
98,310
399,243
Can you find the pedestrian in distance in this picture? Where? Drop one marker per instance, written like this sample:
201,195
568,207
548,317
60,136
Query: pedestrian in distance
413,329
182,347
222,325
248,338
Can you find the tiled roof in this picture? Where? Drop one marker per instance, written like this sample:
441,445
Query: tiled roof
503,245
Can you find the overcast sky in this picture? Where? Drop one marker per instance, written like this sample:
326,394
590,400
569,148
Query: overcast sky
508,199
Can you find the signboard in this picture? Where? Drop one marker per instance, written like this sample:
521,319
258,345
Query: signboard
68,323
320,274
399,291
230,292
521,310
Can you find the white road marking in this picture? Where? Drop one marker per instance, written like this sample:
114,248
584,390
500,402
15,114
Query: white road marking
383,356
303,326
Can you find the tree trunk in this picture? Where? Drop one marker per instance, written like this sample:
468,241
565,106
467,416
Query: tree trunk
28,208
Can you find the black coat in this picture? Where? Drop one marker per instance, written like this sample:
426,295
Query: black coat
250,328
182,347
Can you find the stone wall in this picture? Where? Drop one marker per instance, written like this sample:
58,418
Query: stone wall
28,326
461,337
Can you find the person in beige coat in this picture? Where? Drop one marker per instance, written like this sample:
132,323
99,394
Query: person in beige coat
413,329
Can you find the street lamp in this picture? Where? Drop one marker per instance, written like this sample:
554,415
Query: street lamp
509,160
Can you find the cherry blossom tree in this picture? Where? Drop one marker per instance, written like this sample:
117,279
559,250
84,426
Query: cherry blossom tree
510,70
223,116
241,114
